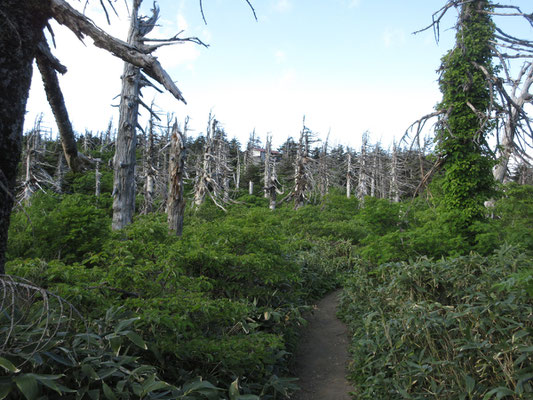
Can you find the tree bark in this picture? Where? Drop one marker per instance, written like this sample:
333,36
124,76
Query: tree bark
21,25
124,160
176,199
349,176
512,119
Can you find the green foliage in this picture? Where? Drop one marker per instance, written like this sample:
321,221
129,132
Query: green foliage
442,329
223,302
86,183
54,227
43,357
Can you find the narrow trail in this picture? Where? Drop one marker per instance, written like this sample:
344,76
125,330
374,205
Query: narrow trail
322,357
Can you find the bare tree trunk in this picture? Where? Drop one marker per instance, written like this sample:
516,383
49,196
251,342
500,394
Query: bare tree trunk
176,199
394,187
124,160
373,174
323,169
251,188
238,172
149,170
60,172
349,177
97,176
268,171
511,122
362,186
204,175
301,184
29,163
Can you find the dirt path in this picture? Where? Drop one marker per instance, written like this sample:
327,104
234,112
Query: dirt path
322,357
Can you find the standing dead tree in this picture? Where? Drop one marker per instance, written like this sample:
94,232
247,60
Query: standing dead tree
363,173
213,175
150,168
132,82
302,173
271,189
349,175
323,169
176,171
516,127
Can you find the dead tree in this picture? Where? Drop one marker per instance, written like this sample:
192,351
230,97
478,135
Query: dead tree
268,167
349,175
150,171
516,123
362,184
271,189
124,159
394,191
203,174
221,165
212,175
176,171
323,169
302,174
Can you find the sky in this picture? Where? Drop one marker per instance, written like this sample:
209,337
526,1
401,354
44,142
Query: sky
348,66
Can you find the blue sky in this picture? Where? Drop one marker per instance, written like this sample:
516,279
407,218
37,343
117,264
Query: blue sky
349,66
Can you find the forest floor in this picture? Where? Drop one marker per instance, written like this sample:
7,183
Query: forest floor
322,356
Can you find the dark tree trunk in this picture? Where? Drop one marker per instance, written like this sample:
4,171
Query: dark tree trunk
21,26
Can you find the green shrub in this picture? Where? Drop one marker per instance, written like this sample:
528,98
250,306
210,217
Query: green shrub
65,228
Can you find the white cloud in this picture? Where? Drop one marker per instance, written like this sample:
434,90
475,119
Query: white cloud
393,37
283,6
354,3
280,56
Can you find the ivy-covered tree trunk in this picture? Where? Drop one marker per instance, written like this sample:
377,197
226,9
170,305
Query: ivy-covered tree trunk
465,124
21,26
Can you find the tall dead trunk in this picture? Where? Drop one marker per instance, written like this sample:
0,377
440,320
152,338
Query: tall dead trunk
203,176
97,179
349,176
124,159
149,170
301,181
323,169
238,172
268,169
512,118
362,186
176,170
20,31
394,186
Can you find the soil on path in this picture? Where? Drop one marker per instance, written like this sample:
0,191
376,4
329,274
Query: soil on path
322,356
